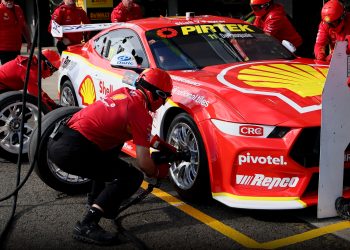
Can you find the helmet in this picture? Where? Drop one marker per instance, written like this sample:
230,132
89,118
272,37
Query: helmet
157,85
51,57
332,11
258,2
260,7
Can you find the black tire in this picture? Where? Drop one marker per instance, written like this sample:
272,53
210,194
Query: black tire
50,174
190,178
10,120
67,94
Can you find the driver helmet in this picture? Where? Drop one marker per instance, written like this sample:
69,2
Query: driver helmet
157,85
333,13
51,62
260,7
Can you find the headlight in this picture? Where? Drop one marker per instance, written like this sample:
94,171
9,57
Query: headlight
250,130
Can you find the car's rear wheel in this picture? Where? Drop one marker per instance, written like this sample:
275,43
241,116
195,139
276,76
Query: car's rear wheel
67,94
191,178
10,123
47,171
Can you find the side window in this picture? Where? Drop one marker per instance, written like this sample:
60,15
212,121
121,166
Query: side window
123,40
100,44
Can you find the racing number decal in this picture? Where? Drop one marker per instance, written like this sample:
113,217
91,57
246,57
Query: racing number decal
87,91
301,79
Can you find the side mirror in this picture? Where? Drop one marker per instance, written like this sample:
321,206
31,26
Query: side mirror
289,46
124,59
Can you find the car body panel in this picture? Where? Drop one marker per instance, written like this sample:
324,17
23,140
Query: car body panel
236,106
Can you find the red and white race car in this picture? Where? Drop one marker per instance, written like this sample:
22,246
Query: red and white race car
246,108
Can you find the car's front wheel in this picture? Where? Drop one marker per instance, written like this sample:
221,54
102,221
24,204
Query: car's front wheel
47,171
190,176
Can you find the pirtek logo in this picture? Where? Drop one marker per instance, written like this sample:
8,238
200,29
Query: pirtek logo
261,180
263,160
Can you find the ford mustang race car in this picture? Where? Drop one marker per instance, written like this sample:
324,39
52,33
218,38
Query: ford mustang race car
246,108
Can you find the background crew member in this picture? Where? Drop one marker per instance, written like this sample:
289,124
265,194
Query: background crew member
12,27
125,11
89,145
335,26
272,19
69,14
13,73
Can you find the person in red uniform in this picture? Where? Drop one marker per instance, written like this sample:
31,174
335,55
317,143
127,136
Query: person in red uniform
125,11
12,27
69,14
89,144
272,19
335,26
13,73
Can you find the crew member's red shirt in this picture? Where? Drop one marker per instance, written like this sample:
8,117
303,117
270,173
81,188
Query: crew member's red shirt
70,15
121,116
328,36
277,24
12,77
12,23
121,14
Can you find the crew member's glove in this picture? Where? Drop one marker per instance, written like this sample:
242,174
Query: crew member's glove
163,170
160,157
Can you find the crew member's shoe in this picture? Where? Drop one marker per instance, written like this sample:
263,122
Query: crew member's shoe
342,206
93,233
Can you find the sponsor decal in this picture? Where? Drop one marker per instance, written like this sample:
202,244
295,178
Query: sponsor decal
250,130
68,63
87,91
262,160
261,180
166,33
195,97
301,79
118,97
215,28
105,89
124,58
347,157
185,80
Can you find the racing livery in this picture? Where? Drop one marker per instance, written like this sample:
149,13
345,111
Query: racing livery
246,108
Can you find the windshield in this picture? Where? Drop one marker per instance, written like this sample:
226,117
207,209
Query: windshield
198,46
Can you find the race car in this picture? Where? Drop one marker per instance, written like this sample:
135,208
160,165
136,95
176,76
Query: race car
246,108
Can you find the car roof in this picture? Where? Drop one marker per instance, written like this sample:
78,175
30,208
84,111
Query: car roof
161,22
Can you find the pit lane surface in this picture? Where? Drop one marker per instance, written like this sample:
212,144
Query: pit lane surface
45,219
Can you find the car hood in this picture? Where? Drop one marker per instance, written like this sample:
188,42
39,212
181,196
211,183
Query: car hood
285,93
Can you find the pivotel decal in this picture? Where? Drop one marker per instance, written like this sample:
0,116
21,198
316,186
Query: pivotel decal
261,180
262,160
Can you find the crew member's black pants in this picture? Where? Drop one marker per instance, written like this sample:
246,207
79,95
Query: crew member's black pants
75,154
6,56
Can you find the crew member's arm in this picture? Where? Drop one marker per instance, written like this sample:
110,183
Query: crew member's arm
145,161
322,41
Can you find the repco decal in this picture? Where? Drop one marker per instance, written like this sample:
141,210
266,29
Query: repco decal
261,180
261,160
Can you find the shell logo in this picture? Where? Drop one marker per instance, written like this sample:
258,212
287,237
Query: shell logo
87,91
303,80
118,97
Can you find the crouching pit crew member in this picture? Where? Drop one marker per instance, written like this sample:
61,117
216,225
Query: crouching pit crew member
89,143
13,73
